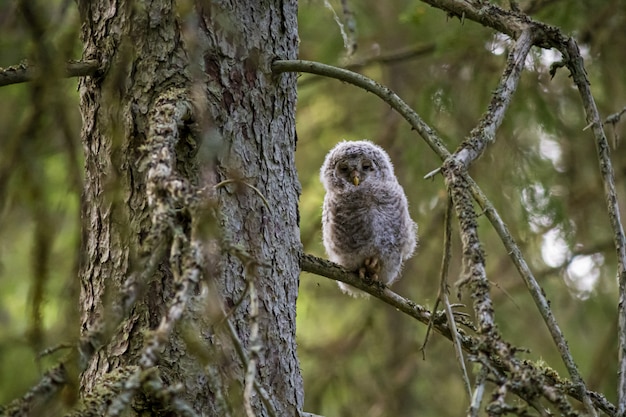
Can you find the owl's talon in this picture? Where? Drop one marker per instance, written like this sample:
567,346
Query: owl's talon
362,273
370,269
372,265
366,275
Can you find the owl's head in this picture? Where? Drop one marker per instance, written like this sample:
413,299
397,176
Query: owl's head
355,164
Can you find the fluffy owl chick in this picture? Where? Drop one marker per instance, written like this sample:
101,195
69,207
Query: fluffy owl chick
366,225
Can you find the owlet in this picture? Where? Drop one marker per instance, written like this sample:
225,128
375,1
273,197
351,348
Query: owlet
366,225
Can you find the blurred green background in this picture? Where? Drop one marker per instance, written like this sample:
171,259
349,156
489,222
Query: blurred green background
360,357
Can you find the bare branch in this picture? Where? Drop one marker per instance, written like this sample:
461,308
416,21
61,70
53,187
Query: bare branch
531,283
474,275
24,72
243,357
401,54
575,64
552,37
509,22
485,132
467,153
333,271
305,414
456,181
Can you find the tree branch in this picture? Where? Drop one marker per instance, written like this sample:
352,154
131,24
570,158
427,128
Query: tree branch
436,144
388,96
575,64
530,379
392,57
509,22
38,396
458,185
328,269
24,72
485,132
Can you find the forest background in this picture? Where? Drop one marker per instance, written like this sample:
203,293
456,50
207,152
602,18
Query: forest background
360,357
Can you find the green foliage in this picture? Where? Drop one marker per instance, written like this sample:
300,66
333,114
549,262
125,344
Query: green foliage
40,185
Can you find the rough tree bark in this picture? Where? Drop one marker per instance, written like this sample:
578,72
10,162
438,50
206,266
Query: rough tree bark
244,138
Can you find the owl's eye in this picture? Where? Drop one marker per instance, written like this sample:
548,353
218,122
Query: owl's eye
342,168
367,166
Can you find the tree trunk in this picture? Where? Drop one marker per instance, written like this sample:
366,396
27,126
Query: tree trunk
243,144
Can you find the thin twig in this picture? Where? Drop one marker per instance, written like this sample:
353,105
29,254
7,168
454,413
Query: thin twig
443,293
613,120
243,357
477,397
615,117
399,55
430,325
348,16
254,346
305,414
256,190
55,348
348,42
442,296
30,404
432,173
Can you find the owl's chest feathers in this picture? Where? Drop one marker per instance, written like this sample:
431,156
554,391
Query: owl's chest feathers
365,215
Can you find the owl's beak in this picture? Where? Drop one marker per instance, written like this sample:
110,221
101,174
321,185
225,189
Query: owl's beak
355,178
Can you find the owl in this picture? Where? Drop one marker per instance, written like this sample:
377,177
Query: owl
366,225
